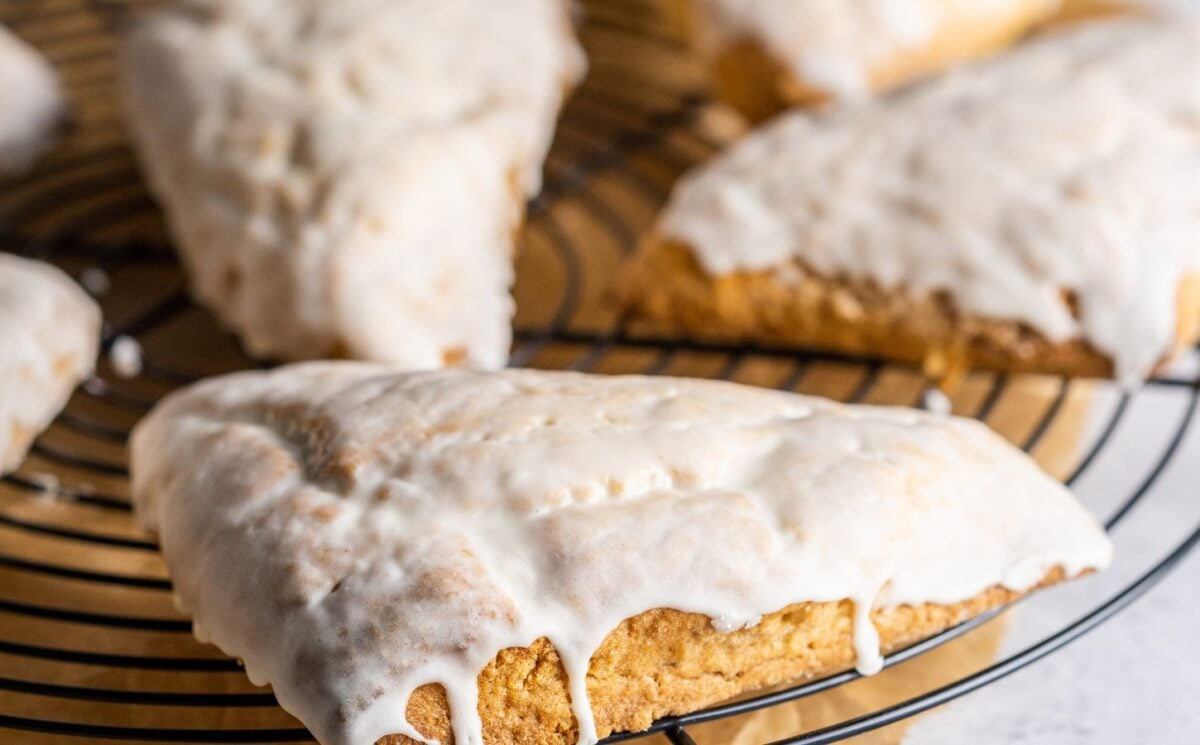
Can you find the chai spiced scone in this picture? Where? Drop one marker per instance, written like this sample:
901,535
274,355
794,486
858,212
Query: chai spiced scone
767,55
1072,10
535,557
32,104
344,178
49,339
1039,212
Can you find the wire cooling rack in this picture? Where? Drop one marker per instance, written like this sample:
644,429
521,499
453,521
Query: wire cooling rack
91,648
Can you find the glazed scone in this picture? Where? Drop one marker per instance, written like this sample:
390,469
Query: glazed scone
344,179
767,55
49,339
537,557
1039,212
1083,8
32,104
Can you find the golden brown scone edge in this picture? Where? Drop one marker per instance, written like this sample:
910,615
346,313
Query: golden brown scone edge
665,286
664,662
750,78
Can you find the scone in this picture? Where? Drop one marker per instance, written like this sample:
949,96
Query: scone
1072,10
32,104
344,179
1039,212
49,339
537,557
767,55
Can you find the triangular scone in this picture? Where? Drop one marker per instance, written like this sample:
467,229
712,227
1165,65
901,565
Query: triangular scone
32,104
357,535
49,338
345,178
1039,212
769,54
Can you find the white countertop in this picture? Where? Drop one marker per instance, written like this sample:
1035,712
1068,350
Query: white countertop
1135,679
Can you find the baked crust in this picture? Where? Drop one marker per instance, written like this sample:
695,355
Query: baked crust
665,286
1082,10
666,662
750,78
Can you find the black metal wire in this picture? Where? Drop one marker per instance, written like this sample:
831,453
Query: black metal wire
1048,417
89,426
999,386
792,381
86,575
1106,434
153,734
95,619
78,461
147,698
679,736
568,304
866,383
76,534
134,662
70,494
153,317
662,362
1167,454
109,392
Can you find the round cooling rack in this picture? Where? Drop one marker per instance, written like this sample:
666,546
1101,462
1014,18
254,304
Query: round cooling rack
91,647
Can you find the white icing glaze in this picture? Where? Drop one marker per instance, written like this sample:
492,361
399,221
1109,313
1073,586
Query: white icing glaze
1070,164
352,533
835,45
31,103
49,339
125,357
346,177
